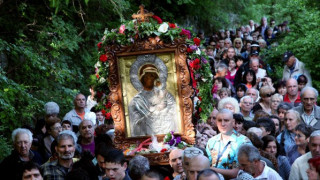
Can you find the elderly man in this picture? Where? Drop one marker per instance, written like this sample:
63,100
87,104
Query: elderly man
58,169
197,164
175,161
300,165
294,68
222,149
254,64
52,109
208,174
86,139
12,165
77,114
254,93
250,161
310,112
246,105
293,95
263,27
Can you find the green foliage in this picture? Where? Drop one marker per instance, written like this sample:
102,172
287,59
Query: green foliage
301,40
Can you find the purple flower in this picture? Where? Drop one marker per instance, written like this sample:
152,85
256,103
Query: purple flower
193,47
178,140
197,76
204,60
172,142
186,33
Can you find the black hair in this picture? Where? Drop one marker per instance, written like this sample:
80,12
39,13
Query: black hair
84,168
244,79
115,156
248,124
242,87
305,129
207,173
30,165
276,117
268,124
279,84
302,79
238,118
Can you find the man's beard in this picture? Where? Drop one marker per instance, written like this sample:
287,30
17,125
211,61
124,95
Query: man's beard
66,156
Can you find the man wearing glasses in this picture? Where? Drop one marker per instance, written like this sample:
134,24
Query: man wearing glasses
222,149
246,105
310,112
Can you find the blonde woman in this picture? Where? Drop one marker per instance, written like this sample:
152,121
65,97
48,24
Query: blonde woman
276,99
237,44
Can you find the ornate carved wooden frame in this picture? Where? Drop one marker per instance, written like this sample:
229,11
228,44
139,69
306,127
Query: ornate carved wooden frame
150,46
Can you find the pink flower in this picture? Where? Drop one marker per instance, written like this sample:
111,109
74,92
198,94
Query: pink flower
122,29
185,33
103,58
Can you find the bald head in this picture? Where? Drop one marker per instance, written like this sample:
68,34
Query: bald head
175,160
197,164
292,87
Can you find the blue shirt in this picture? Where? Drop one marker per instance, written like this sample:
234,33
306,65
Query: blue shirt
288,139
228,151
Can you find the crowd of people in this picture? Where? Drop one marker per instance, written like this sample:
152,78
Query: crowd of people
259,128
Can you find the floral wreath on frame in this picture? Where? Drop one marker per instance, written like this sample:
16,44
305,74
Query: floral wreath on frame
155,29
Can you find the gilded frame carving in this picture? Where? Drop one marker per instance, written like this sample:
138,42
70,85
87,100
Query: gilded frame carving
150,46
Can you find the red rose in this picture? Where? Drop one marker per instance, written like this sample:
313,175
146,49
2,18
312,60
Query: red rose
172,25
103,111
200,98
157,18
108,115
189,50
185,33
166,178
108,105
99,45
97,75
99,94
103,58
200,109
196,41
195,64
163,150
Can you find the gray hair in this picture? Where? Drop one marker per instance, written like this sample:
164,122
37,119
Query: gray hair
295,113
257,92
138,165
309,88
221,67
18,131
67,134
315,133
277,96
229,100
284,105
228,39
254,59
245,97
256,131
51,108
250,151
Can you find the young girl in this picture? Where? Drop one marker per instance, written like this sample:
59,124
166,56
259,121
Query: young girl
231,71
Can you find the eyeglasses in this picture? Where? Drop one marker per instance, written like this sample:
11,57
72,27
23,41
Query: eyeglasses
268,95
247,103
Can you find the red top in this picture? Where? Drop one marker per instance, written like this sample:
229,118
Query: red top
296,102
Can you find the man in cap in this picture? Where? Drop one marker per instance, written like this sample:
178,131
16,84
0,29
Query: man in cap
294,68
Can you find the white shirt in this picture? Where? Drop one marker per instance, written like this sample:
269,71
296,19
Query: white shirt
268,173
261,73
299,167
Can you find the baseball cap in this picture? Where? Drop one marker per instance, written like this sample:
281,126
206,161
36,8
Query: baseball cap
286,56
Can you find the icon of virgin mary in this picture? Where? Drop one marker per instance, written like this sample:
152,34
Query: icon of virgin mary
153,109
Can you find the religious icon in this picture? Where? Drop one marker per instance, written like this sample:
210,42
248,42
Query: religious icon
153,109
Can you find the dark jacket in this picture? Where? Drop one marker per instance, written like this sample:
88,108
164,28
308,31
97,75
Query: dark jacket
12,165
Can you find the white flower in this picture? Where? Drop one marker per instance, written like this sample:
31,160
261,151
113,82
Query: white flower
102,80
198,51
163,27
204,79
